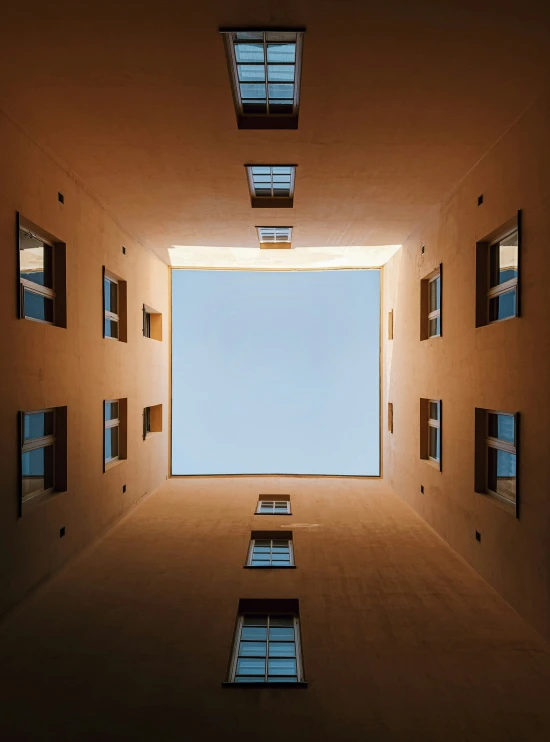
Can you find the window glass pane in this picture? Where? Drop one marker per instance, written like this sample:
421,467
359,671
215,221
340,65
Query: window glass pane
249,679
37,307
282,679
282,649
37,425
111,296
501,426
279,90
255,621
508,258
249,666
281,53
281,506
147,324
249,35
35,260
249,52
252,91
434,411
282,667
503,306
281,73
111,443
111,328
434,327
286,621
434,449
261,170
251,73
253,649
281,634
435,294
254,633
37,471
281,170
111,410
502,473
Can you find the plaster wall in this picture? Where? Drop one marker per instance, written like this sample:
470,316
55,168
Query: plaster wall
47,366
504,366
401,639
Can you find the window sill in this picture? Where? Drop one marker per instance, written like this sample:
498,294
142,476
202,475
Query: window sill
300,684
508,507
271,566
112,464
152,434
433,464
37,500
277,514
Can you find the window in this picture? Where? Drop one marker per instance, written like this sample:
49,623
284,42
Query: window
496,455
114,441
152,420
390,324
271,186
267,643
264,67
41,277
114,307
270,549
430,305
275,237
430,431
390,417
43,439
498,274
152,323
273,505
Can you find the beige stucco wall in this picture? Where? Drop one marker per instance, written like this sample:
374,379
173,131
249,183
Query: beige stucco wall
46,366
505,366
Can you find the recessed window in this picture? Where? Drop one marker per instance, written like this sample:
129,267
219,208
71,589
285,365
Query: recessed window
41,277
152,323
268,549
267,644
430,305
114,307
264,66
271,186
275,237
390,417
390,324
497,278
273,505
496,455
152,420
43,453
430,431
114,440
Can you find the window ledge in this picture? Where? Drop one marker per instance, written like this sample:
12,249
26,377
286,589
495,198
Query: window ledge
300,684
433,464
271,566
112,464
34,502
152,434
276,514
508,507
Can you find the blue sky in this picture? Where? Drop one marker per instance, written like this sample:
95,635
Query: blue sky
275,372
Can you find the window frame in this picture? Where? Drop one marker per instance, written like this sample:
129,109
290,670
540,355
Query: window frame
258,510
498,444
426,424
35,443
267,119
108,315
501,288
436,313
275,243
265,682
434,423
258,536
272,201
107,424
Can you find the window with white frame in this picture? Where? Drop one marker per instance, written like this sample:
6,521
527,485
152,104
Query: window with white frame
270,550
275,236
273,506
111,307
434,431
112,438
37,454
36,277
267,649
496,455
430,431
264,66
43,441
503,277
434,305
271,185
